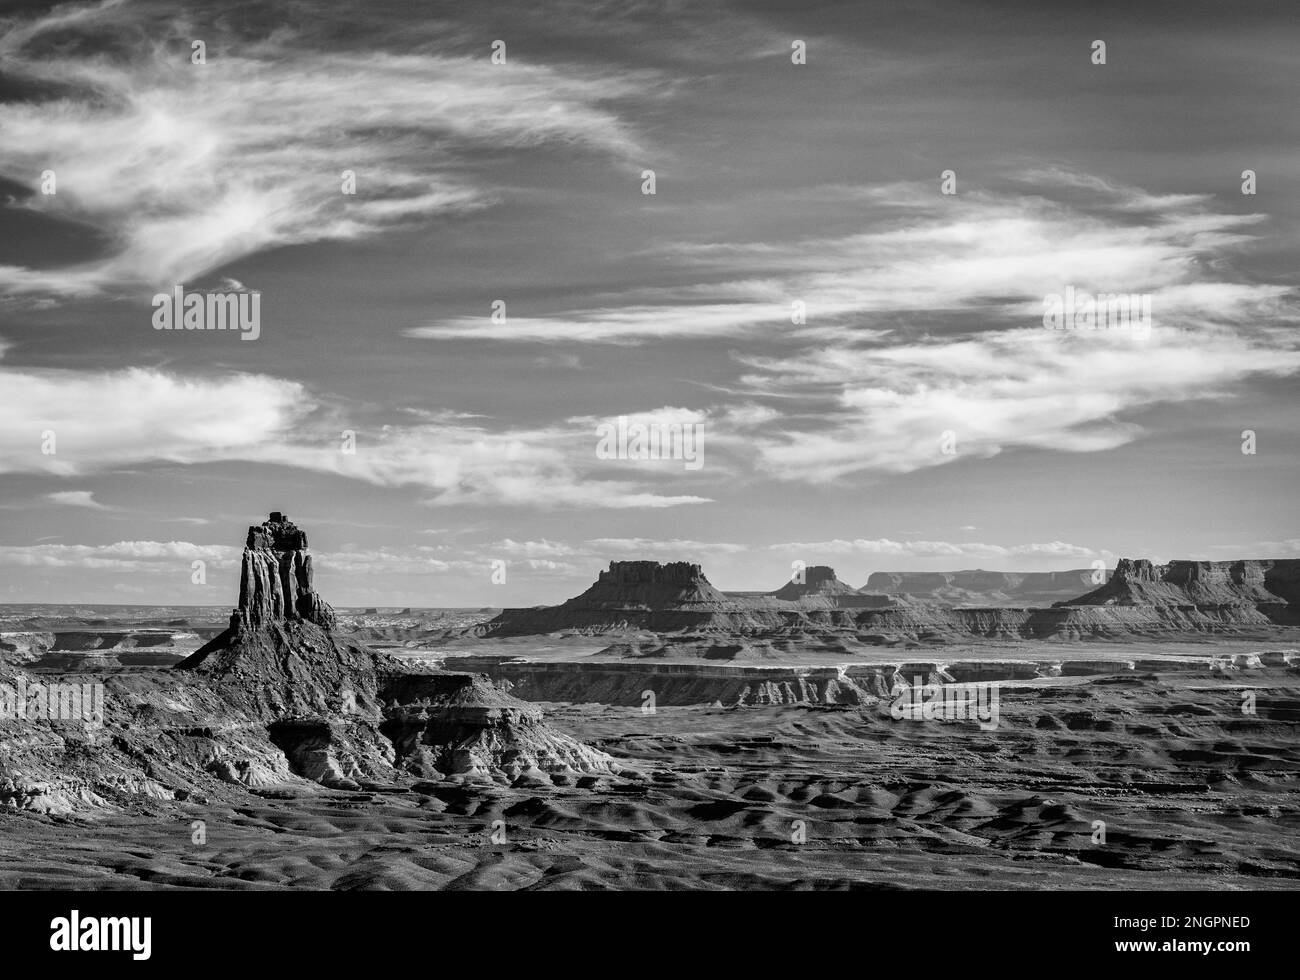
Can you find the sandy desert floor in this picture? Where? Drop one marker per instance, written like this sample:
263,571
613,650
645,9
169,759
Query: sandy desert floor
1192,793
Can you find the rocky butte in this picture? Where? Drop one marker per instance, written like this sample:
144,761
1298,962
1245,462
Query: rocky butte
275,580
280,700
644,595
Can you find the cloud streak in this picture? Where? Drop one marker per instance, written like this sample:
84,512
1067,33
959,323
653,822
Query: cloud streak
68,423
183,168
924,257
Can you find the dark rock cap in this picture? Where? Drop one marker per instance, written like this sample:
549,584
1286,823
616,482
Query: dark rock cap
652,573
277,533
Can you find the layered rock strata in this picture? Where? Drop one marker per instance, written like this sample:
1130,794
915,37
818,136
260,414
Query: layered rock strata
1140,599
977,587
275,581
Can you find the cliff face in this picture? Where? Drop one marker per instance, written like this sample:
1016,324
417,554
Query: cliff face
977,587
818,580
651,585
647,595
1265,585
1140,599
275,582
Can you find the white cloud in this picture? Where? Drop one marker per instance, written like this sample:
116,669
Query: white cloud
123,556
187,167
926,255
888,408
531,549
936,549
103,421
682,548
76,498
459,463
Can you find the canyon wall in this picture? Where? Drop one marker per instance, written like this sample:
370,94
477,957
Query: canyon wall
978,587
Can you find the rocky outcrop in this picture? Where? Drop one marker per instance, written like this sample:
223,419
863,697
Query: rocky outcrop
1199,584
275,582
448,723
278,700
342,711
1213,596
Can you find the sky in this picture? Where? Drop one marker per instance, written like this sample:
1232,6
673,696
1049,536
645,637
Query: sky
839,286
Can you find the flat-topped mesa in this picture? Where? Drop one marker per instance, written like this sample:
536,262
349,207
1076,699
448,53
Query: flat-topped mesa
1267,584
275,582
820,591
652,585
643,595
817,580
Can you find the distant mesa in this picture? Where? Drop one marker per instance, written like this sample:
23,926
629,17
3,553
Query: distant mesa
1138,600
1270,586
821,589
817,580
674,596
645,595
977,587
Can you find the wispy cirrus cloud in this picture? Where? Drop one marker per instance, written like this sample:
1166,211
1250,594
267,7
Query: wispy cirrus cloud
887,410
925,257
930,325
464,462
182,168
